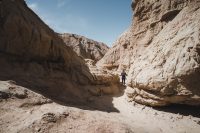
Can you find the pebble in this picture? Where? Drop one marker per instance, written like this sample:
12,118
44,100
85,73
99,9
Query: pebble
180,117
143,107
190,117
38,129
134,103
197,121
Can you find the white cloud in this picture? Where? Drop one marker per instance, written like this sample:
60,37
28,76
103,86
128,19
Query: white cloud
33,6
61,3
61,23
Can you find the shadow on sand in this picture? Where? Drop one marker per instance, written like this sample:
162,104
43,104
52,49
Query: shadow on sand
62,96
185,110
99,103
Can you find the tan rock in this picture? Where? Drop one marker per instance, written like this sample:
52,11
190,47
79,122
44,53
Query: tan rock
117,57
84,47
34,56
166,69
162,55
104,81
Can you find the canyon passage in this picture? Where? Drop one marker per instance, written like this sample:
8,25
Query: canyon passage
62,82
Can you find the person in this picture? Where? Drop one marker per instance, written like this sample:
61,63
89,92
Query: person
123,74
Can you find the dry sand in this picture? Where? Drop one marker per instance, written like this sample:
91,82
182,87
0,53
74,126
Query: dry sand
103,114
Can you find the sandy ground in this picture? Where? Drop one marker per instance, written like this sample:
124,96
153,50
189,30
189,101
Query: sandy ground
24,111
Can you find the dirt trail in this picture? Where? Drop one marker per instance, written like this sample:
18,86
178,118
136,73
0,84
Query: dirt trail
152,120
35,113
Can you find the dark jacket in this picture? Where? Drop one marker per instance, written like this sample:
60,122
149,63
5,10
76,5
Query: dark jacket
123,74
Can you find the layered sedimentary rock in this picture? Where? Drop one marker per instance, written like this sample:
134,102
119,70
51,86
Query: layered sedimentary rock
84,47
105,81
168,70
34,56
162,54
118,56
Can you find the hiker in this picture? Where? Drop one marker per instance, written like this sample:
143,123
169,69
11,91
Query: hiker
123,74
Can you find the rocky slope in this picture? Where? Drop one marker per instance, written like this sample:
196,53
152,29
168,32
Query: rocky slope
118,57
84,47
161,52
34,56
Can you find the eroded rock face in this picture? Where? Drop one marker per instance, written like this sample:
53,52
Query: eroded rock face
118,56
84,47
168,70
149,18
105,82
162,55
34,56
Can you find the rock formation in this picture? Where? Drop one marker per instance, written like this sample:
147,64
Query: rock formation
34,56
46,87
118,56
105,81
161,52
84,47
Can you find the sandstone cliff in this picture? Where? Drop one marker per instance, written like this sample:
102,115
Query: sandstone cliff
118,56
34,56
161,52
84,47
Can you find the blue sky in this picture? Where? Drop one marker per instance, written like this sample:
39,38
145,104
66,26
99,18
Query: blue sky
101,20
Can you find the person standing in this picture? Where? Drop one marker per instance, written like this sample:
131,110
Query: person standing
123,74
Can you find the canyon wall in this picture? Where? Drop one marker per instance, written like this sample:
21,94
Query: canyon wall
34,56
85,47
160,52
118,55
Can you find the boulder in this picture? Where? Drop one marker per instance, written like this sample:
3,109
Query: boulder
105,82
